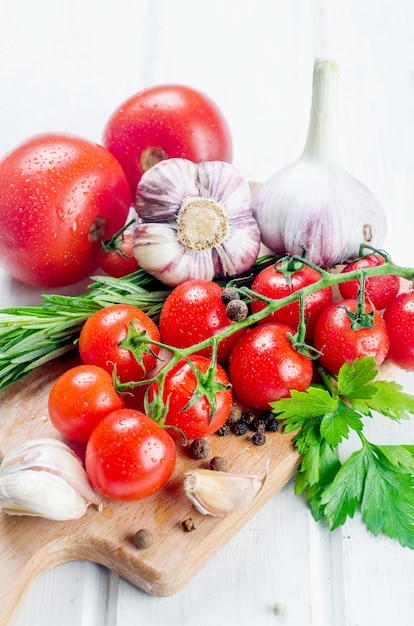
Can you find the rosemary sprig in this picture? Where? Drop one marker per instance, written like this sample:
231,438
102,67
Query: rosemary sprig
32,336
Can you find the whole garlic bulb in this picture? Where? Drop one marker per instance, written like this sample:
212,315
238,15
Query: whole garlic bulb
196,221
314,203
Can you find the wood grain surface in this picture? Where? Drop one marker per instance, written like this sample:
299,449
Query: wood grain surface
30,546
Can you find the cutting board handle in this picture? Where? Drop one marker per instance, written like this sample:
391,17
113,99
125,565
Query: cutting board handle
28,550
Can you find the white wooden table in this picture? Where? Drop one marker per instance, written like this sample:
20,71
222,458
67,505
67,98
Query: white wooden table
65,66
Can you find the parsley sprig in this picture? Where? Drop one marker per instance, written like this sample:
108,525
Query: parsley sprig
376,480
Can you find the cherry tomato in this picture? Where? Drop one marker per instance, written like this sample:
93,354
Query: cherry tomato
180,384
80,398
59,196
102,333
399,319
194,311
379,290
128,456
273,283
339,343
162,122
265,367
119,260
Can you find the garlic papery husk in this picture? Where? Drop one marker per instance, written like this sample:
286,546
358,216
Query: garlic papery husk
196,221
40,494
44,477
314,204
220,493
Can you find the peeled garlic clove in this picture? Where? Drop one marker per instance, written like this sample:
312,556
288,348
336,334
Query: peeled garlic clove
41,494
220,493
54,456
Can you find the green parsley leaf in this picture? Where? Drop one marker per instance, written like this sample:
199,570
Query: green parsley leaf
318,468
302,405
391,401
354,380
387,505
344,494
335,426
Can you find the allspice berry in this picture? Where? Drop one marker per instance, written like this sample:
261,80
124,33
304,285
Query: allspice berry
219,464
200,448
143,539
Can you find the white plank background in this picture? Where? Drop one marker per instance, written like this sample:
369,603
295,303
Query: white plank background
65,66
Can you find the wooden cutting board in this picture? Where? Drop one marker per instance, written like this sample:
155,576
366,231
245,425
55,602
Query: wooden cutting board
30,546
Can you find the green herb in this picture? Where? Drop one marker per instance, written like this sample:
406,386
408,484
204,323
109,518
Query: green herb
32,336
376,480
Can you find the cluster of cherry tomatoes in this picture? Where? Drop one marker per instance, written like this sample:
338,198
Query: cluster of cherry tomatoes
130,448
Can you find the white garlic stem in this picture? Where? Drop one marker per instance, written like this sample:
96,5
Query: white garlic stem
44,477
321,142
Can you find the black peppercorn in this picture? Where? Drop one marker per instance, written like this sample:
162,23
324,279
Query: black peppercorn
272,425
224,430
248,417
259,439
241,428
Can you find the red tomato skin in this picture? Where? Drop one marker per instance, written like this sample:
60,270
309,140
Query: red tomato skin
115,264
339,343
54,188
179,120
272,283
80,398
194,312
264,366
379,290
179,386
128,456
399,319
103,331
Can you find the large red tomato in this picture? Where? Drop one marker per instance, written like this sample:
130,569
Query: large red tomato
166,121
59,196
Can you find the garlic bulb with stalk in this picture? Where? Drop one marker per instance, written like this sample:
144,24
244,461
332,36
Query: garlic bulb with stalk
196,221
44,478
314,204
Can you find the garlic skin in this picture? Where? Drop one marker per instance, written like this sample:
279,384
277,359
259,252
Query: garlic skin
314,203
196,221
44,478
220,493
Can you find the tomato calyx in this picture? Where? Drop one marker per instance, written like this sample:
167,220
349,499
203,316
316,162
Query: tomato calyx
289,265
114,243
138,342
361,318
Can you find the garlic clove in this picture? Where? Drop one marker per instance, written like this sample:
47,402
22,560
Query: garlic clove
41,494
44,477
54,456
220,493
